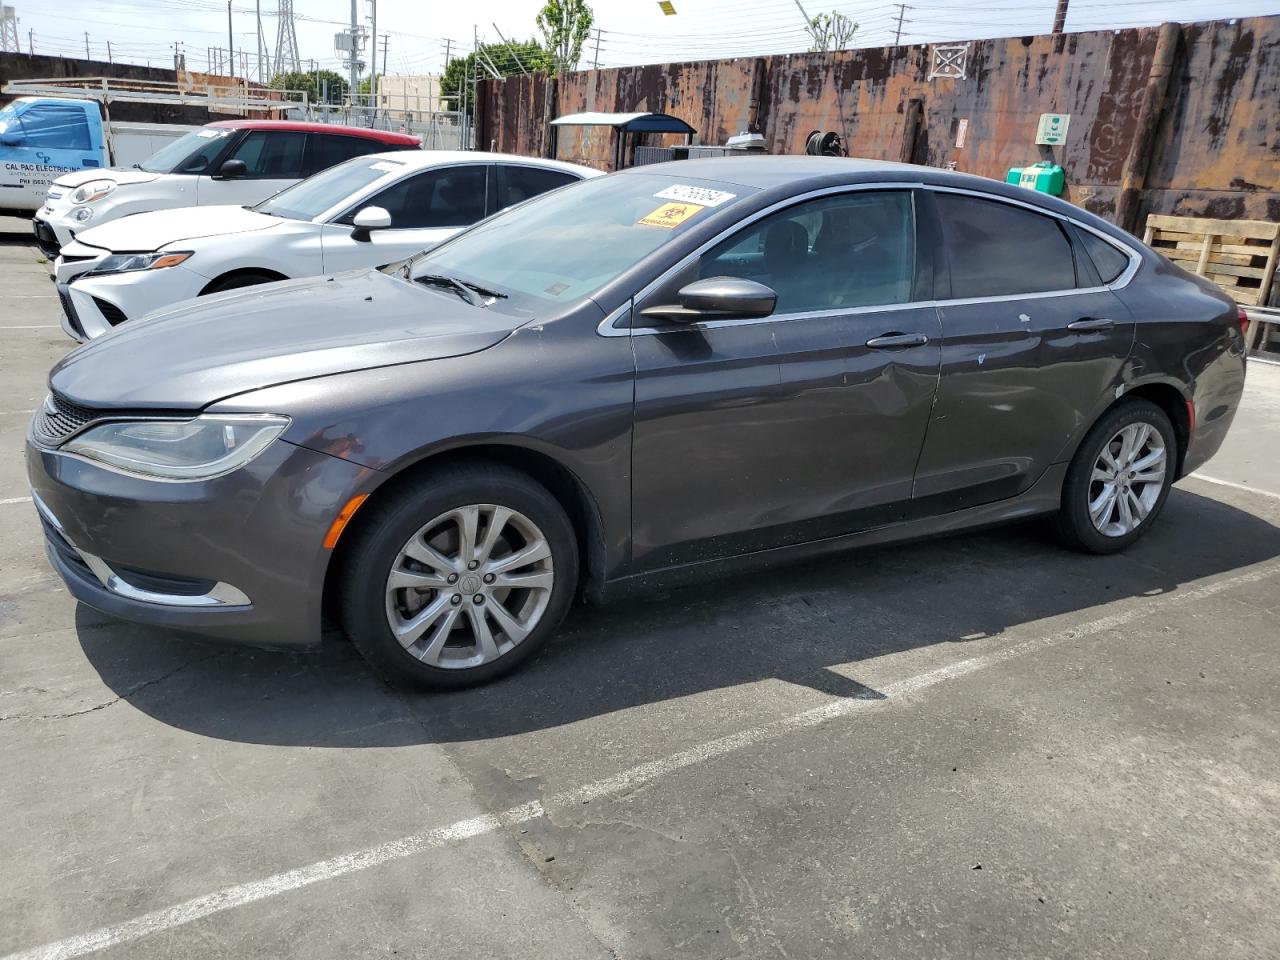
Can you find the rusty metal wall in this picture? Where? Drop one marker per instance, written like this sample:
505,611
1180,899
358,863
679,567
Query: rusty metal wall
1216,151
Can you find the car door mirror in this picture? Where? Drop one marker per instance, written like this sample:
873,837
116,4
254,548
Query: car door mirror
367,219
232,169
718,298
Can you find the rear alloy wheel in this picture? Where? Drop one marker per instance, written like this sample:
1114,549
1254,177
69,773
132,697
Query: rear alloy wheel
459,578
1119,479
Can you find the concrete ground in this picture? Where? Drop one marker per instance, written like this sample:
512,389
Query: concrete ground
981,746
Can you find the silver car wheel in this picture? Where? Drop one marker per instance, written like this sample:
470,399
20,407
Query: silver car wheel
1127,479
469,586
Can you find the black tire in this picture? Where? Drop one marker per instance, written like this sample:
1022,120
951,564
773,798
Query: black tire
234,281
1074,524
395,518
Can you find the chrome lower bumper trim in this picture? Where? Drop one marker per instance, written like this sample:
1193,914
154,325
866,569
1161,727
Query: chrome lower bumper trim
220,595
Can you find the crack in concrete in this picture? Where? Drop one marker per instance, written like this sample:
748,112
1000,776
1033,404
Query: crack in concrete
114,700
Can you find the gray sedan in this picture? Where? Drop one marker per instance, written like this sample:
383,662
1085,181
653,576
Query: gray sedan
642,379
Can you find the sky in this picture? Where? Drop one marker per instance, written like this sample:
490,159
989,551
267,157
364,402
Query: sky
418,35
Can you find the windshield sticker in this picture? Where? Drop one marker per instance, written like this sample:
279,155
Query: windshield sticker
670,215
699,195
556,289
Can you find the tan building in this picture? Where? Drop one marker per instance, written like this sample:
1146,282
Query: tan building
407,97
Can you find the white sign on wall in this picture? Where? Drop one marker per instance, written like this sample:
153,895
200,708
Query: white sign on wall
1052,128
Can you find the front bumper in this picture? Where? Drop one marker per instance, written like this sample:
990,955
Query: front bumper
93,305
47,238
238,558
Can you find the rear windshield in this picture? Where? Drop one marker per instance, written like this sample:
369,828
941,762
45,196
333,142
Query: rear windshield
566,245
190,154
328,188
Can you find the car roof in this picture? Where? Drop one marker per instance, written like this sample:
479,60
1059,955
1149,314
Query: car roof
303,126
422,159
798,173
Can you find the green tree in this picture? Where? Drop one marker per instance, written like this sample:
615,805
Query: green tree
565,26
830,31
313,83
503,59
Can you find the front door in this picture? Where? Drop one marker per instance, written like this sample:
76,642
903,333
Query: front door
426,209
1032,344
755,434
273,160
46,140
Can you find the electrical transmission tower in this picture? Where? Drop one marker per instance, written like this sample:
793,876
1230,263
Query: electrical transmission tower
9,30
286,40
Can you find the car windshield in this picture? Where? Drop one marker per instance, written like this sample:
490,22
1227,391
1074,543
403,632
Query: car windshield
313,196
566,245
192,153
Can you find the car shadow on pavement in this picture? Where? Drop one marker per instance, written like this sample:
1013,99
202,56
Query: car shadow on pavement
793,624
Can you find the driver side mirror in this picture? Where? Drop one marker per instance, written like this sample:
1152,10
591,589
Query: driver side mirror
718,298
232,169
370,218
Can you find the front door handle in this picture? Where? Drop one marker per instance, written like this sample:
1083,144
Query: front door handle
1091,323
897,340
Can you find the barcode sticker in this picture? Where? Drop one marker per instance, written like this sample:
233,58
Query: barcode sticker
699,195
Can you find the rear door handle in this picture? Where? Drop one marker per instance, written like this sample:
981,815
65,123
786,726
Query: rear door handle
897,340
1091,323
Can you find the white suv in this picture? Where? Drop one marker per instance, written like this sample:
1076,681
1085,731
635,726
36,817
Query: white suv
232,161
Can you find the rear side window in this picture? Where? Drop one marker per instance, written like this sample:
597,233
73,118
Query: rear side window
518,183
55,126
997,249
271,154
325,150
1109,261
451,197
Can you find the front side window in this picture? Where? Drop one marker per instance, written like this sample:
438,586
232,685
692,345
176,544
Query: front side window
192,153
842,251
451,197
997,249
271,154
55,126
517,184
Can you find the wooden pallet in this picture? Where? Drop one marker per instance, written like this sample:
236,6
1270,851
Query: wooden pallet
1238,255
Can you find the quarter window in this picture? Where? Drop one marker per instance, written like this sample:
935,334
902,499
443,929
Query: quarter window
842,251
1109,261
271,154
324,150
997,249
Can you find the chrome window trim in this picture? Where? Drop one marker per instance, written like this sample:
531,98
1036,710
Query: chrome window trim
608,326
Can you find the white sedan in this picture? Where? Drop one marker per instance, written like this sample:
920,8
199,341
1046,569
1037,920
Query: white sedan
367,212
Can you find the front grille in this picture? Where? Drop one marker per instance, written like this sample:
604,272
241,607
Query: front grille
57,419
113,314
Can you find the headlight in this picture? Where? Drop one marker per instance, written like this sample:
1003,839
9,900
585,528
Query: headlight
198,449
91,191
130,262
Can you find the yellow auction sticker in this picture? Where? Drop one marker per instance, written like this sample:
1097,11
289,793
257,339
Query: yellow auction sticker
670,215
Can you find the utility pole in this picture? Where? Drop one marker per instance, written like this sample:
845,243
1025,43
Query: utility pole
373,55
262,70
109,60
231,43
31,43
902,12
595,63
86,46
1060,17
353,73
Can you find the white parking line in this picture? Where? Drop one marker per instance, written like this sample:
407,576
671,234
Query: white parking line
1234,485
32,326
239,895
15,500
14,413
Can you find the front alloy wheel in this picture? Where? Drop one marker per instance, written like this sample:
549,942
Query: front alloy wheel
469,586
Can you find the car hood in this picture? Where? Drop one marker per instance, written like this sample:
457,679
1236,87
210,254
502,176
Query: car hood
120,175
151,231
189,356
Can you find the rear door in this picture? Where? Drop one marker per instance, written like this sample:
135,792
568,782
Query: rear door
325,150
426,209
273,159
1033,342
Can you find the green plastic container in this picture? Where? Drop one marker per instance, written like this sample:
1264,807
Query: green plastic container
1043,176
